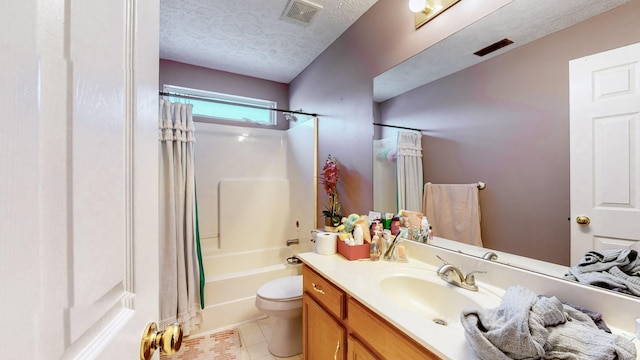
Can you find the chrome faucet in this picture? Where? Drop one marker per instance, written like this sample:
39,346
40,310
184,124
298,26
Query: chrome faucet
490,255
453,275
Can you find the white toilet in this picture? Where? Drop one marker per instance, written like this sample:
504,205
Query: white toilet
282,300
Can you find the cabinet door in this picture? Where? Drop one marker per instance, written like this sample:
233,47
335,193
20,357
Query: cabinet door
323,337
386,340
357,351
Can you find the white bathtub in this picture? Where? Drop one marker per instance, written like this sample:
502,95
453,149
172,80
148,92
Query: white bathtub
232,281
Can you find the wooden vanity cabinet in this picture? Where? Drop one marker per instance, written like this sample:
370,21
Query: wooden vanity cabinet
329,316
323,308
358,351
322,336
381,337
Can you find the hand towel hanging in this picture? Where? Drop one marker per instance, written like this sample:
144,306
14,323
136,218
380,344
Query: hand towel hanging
454,211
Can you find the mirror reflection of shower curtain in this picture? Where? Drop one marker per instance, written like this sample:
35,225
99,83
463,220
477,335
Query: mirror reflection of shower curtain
180,265
385,152
409,171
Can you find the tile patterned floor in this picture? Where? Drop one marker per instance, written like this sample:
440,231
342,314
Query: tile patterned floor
247,342
254,341
224,345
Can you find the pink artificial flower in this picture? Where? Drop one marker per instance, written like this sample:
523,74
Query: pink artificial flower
330,174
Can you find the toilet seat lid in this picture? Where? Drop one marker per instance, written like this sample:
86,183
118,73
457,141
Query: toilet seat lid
284,288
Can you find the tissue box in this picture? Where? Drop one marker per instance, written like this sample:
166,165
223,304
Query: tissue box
353,252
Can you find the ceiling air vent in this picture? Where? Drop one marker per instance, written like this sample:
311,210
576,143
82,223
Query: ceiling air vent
493,47
301,12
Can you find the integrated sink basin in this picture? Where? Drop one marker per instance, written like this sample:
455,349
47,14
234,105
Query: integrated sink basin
421,292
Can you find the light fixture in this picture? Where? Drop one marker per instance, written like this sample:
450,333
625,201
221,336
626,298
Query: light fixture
426,10
417,5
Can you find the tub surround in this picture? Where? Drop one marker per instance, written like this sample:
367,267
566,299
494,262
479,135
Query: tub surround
268,169
448,342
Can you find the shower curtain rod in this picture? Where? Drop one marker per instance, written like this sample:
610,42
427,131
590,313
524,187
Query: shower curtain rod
399,127
193,97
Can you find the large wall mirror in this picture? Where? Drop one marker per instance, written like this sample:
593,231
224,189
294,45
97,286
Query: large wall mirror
505,121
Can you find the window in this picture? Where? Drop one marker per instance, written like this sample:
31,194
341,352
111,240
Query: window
226,107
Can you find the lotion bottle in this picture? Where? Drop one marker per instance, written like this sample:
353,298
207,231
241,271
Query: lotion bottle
358,235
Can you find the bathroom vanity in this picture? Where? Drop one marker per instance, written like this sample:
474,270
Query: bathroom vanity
335,324
388,310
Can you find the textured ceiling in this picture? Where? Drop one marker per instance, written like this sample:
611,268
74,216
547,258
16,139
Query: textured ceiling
522,21
248,37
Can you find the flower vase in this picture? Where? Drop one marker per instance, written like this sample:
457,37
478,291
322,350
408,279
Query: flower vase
328,224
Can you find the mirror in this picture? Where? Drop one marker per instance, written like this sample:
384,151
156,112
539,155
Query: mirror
505,121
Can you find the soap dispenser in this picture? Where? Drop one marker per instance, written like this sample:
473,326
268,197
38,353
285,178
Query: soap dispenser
374,249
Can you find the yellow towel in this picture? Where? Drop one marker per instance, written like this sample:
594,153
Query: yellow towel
453,211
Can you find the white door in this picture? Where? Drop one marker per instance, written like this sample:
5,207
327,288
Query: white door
605,151
78,153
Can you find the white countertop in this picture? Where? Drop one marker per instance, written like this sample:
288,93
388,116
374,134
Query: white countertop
448,342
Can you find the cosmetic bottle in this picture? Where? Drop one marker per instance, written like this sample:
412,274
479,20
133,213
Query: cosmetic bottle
385,240
374,249
395,225
401,253
358,235
424,229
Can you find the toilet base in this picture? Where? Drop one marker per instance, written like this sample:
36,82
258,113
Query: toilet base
286,336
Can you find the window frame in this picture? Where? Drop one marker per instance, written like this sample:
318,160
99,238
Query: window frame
230,100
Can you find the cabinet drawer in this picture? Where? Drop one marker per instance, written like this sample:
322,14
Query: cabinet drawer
383,337
325,293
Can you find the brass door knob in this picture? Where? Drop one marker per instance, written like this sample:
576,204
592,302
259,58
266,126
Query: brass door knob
168,341
583,220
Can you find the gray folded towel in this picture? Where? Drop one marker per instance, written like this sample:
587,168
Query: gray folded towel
611,279
613,269
594,315
600,260
525,326
579,339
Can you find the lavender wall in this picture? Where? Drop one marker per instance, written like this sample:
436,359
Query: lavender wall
338,85
506,121
341,93
179,74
